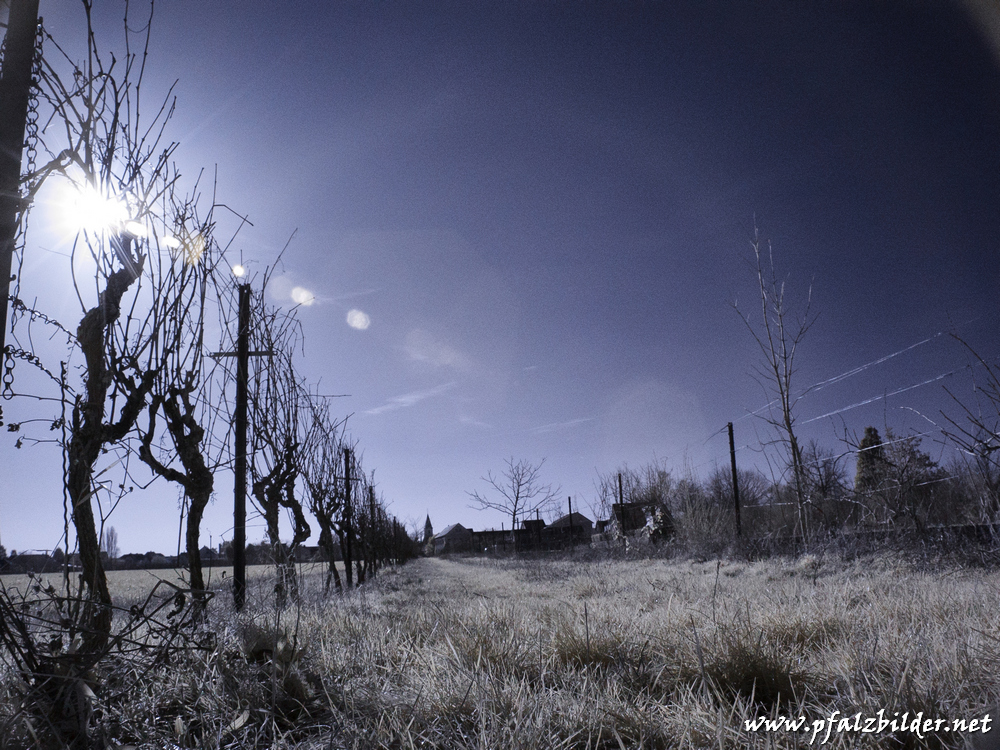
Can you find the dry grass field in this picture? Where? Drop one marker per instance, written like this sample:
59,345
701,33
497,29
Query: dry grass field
136,584
582,653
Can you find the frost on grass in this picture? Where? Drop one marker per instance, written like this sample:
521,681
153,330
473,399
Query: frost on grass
578,654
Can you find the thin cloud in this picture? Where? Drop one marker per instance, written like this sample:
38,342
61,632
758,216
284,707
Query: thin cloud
474,423
411,399
347,295
562,425
423,347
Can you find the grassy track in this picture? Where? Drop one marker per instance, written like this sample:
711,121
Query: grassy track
662,654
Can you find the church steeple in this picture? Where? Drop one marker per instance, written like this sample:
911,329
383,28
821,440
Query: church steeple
428,529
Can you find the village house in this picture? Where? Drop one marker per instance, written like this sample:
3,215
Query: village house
532,534
455,538
134,561
209,558
492,540
573,526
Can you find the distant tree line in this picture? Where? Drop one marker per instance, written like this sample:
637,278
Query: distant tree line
896,488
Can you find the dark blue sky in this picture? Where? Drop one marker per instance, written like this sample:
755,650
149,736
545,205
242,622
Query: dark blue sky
545,210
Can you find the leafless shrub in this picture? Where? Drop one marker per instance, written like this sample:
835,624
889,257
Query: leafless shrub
778,337
65,693
977,435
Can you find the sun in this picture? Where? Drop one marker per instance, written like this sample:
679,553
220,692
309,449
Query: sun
89,209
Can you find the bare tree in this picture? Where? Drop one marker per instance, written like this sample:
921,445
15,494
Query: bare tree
91,431
827,484
518,491
778,334
109,542
977,434
650,484
897,482
754,487
361,526
915,486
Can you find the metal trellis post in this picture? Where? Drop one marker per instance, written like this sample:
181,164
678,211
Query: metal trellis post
15,86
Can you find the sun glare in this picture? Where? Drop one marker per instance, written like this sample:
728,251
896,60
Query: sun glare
239,271
90,210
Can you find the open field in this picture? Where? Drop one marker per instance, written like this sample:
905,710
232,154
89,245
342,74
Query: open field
573,653
134,584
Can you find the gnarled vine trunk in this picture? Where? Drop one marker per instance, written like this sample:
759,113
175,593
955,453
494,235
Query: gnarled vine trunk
88,436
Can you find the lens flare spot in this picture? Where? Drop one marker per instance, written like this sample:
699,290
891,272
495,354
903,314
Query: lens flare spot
194,248
358,320
301,296
136,229
239,271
